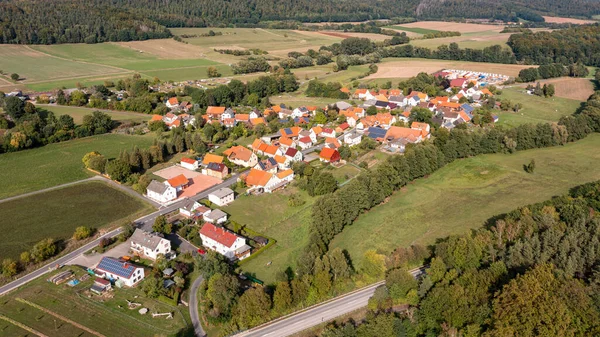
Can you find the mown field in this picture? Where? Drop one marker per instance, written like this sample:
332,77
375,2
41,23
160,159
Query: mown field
464,194
59,163
271,215
89,315
535,109
56,214
78,113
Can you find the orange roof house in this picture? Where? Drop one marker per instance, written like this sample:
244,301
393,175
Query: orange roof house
280,159
394,92
258,177
397,132
329,155
256,121
317,130
173,101
290,132
381,97
285,173
215,111
211,158
178,181
286,141
240,155
486,91
242,117
378,119
156,118
271,150
333,141
345,90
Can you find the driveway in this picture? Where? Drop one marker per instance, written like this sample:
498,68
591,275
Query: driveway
91,260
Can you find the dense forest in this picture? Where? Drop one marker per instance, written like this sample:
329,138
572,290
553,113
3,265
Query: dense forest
62,21
580,44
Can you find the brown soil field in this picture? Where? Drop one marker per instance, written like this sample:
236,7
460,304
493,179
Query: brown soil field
554,19
412,67
165,48
453,26
573,88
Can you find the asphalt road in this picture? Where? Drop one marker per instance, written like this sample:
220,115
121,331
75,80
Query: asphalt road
193,303
143,222
318,314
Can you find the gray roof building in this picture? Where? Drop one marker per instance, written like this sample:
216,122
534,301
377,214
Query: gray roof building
222,192
145,239
215,214
157,187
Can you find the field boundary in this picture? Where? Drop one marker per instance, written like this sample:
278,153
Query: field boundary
84,328
22,326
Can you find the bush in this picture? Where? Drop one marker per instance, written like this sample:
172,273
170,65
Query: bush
82,232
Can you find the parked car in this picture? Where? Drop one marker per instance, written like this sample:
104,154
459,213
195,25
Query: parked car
201,251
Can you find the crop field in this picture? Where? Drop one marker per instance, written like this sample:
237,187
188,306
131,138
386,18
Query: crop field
59,310
78,113
466,193
34,66
467,40
574,88
555,19
535,109
414,30
461,27
59,163
55,214
271,215
275,41
407,67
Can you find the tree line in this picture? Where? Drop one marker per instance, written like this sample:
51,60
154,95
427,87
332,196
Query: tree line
332,212
578,44
553,70
495,281
31,127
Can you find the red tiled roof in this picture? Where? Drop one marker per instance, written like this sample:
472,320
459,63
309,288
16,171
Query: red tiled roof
178,181
188,160
173,101
218,234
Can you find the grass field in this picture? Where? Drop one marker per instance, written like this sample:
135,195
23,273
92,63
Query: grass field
106,316
275,41
56,214
59,163
574,88
416,30
78,113
465,193
271,215
535,109
477,40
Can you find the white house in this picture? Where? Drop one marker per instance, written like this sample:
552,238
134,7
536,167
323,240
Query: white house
224,242
228,113
215,216
268,182
328,132
312,134
305,142
149,245
293,154
352,138
192,208
301,111
190,164
172,103
119,271
160,192
221,196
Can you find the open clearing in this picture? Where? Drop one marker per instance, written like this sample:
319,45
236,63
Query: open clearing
407,67
555,19
59,163
106,316
271,215
470,40
535,109
345,35
55,214
79,112
164,48
465,193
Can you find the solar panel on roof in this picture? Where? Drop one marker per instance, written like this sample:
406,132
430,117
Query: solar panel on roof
116,267
376,132
288,131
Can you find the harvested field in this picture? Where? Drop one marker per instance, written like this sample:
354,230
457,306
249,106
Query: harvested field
452,26
474,41
345,35
398,67
574,88
165,48
555,19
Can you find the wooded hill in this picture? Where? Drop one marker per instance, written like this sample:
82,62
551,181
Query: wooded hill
62,21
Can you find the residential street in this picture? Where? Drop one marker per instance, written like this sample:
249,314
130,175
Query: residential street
194,315
319,313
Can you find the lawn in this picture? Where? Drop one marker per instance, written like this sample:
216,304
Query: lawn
465,193
56,214
344,173
84,81
271,215
106,316
535,109
78,113
59,163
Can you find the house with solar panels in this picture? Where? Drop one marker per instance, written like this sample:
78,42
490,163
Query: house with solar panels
120,272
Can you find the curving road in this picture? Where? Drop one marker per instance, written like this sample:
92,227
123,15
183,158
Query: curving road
318,314
194,308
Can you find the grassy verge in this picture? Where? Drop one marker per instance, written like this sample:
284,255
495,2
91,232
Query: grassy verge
78,113
56,214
